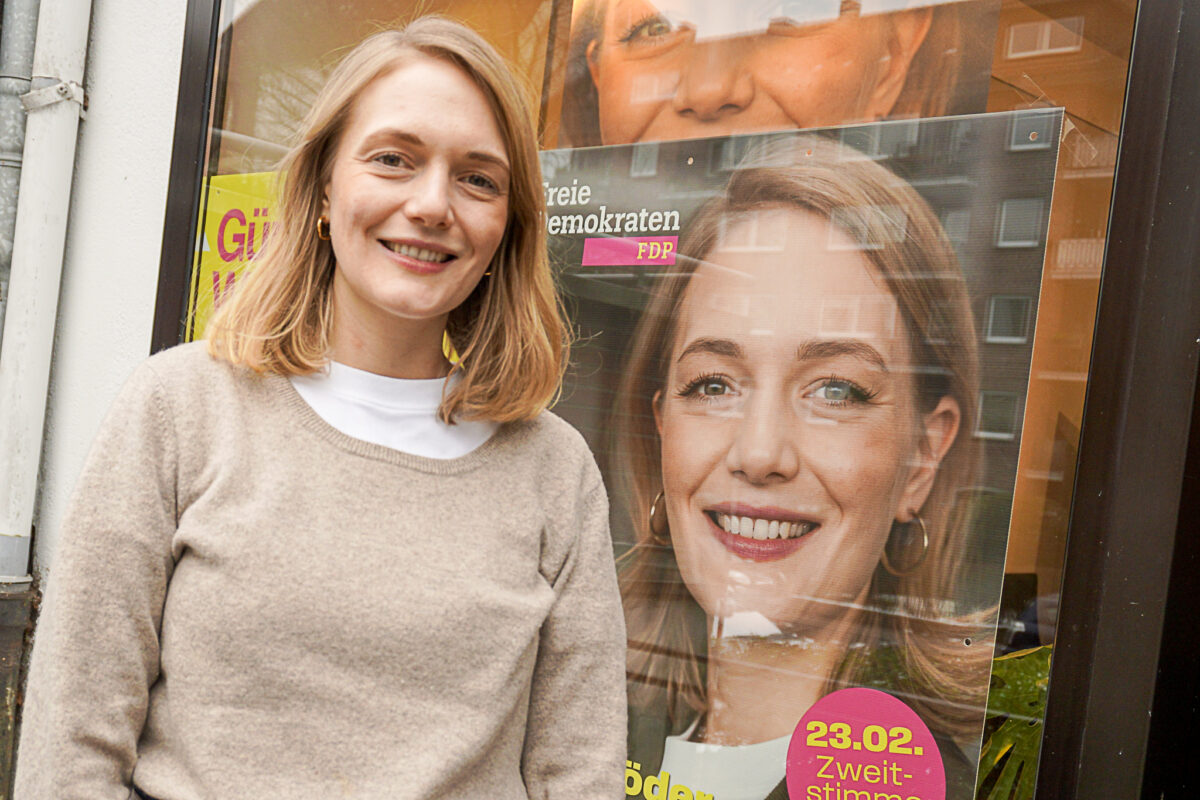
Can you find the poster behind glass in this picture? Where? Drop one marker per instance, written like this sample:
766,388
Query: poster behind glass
802,365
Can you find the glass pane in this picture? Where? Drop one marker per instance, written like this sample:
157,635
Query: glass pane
914,308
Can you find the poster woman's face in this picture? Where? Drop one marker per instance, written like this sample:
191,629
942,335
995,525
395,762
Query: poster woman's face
679,69
788,423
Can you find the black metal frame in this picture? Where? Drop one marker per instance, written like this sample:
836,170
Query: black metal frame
1134,437
1126,512
187,168
1173,748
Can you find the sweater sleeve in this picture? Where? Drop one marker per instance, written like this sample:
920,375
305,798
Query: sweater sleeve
575,736
95,652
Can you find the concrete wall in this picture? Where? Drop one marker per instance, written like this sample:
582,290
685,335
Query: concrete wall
114,235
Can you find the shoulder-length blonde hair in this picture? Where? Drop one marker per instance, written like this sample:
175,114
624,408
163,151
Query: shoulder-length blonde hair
915,634
933,74
511,332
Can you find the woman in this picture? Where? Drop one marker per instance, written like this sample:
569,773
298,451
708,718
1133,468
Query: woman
795,424
302,562
652,70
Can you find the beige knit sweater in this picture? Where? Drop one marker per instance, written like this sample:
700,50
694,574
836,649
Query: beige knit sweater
247,603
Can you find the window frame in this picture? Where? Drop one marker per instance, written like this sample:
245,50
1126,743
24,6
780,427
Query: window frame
992,338
999,436
1002,218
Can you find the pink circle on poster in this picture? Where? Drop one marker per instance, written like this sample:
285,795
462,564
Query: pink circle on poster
863,740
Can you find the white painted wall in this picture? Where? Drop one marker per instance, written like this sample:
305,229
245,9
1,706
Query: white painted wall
114,236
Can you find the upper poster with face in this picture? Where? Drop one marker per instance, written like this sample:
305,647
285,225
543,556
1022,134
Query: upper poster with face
658,70
802,365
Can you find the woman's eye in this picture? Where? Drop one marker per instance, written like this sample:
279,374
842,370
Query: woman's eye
707,388
647,29
837,391
482,182
390,159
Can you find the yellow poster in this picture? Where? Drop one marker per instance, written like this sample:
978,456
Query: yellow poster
236,222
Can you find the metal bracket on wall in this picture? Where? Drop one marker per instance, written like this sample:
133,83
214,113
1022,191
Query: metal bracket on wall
61,92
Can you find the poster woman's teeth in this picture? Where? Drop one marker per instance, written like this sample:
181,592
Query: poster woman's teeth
758,528
417,252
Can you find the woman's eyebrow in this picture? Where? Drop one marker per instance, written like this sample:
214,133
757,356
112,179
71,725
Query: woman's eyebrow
831,348
392,135
397,134
716,347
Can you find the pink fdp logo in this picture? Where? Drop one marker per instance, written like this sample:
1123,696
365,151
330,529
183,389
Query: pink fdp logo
634,251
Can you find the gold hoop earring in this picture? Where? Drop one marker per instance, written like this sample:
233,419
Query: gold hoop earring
910,569
448,349
323,228
660,530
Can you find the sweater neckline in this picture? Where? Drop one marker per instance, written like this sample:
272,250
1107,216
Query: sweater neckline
309,419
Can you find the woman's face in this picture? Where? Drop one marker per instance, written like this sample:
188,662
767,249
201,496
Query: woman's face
788,426
680,69
417,199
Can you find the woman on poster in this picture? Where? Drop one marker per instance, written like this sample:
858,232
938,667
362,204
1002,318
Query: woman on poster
656,70
794,426
341,549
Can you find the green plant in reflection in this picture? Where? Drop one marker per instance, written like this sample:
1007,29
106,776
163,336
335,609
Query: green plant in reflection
1013,732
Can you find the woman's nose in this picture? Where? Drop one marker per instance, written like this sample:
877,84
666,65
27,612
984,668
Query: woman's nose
764,449
428,200
713,83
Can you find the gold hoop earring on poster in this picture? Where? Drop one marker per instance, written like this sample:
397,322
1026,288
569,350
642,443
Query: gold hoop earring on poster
908,569
660,530
323,228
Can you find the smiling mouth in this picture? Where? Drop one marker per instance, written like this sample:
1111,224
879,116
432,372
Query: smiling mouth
418,253
760,528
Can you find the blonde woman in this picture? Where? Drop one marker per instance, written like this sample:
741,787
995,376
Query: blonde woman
316,556
795,425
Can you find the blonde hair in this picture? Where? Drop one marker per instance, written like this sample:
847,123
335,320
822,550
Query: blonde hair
932,75
511,331
909,250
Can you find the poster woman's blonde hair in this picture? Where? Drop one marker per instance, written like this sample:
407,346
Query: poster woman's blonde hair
510,332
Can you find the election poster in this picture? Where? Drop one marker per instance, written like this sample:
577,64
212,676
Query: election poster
802,363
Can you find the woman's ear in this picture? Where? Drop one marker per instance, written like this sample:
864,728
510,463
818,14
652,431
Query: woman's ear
656,404
904,33
938,432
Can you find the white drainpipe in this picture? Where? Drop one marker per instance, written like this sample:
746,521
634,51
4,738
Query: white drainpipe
55,104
